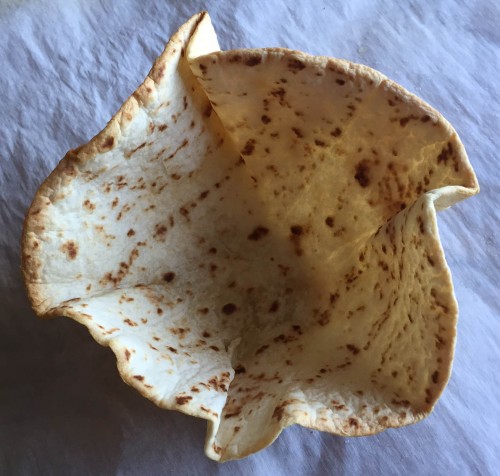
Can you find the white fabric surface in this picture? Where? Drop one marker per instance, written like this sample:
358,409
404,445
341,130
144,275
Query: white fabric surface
65,68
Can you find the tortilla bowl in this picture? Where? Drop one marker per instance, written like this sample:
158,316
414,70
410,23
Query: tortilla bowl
254,235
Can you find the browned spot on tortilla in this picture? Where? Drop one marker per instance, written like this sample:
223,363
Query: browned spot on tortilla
324,318
183,399
88,205
352,348
139,377
160,231
295,65
169,277
229,308
341,82
353,422
445,154
162,127
425,118
296,232
274,306
265,119
298,132
217,449
127,354
184,143
421,224
329,221
172,349
239,370
249,147
261,349
253,61
258,233
435,377
108,143
70,248
361,175
320,143
131,232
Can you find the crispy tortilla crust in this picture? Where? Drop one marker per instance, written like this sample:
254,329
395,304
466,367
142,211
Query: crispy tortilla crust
109,138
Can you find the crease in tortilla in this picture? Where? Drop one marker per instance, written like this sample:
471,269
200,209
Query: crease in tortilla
266,221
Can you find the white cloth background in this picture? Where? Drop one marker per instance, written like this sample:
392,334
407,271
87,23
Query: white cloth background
65,68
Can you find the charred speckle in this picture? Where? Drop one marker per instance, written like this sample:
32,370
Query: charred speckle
229,308
139,377
445,154
295,65
353,422
341,82
278,93
421,224
352,348
249,147
131,232
435,376
239,370
253,61
361,175
162,127
71,249
329,221
298,132
183,400
169,277
265,119
261,349
336,132
425,118
108,143
319,143
296,230
274,306
258,233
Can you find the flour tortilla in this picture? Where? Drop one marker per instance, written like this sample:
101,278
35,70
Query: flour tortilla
266,223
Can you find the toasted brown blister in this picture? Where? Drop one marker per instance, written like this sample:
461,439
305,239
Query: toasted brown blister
254,235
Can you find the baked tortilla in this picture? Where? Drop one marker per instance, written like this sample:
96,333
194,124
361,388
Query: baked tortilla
254,235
